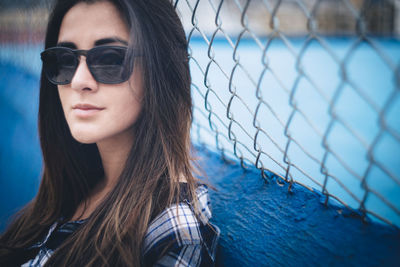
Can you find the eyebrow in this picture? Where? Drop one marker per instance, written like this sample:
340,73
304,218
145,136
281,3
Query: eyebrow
99,42
110,40
67,44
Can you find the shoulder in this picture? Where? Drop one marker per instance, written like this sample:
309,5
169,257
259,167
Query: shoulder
183,229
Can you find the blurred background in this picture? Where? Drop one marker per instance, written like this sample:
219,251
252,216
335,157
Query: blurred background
303,90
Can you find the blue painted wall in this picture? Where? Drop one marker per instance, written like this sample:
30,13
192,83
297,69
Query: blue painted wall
20,157
262,224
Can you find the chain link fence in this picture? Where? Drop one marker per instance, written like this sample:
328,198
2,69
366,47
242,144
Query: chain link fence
307,91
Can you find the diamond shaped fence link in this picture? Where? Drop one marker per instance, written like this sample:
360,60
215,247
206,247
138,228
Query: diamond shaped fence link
218,120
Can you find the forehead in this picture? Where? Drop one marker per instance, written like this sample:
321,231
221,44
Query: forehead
85,23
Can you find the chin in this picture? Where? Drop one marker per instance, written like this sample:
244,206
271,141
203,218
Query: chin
85,138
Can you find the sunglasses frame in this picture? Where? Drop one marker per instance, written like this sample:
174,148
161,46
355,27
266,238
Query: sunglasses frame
81,52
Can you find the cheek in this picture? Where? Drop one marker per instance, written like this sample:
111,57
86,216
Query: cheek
129,104
123,107
127,98
64,99
126,111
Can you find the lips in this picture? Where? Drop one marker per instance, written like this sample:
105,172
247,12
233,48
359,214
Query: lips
86,110
86,107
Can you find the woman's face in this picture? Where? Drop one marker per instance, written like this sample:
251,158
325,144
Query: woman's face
95,111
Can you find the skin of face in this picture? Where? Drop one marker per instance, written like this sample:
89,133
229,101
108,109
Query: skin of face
117,105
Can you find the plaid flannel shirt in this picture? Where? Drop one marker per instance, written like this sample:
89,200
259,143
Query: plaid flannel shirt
176,237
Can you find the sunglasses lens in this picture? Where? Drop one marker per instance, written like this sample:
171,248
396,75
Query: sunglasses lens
107,64
59,65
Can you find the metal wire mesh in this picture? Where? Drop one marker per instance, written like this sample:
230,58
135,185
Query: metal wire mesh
250,107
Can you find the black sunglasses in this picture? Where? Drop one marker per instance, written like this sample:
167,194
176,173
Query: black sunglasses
105,63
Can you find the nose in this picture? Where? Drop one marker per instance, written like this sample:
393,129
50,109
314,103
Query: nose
83,79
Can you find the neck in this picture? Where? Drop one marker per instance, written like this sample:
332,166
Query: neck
114,152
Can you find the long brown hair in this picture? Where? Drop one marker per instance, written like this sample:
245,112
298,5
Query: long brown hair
149,182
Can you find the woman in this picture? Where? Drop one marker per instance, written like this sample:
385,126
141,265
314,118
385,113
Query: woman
114,121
